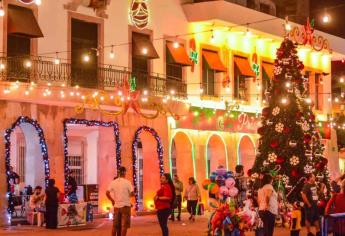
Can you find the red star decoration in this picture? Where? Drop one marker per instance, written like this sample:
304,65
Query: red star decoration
309,31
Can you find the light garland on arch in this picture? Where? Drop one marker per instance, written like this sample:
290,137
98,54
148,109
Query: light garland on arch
135,158
90,123
42,142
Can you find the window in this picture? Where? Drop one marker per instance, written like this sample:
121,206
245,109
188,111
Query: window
208,76
173,73
76,166
141,59
242,74
84,43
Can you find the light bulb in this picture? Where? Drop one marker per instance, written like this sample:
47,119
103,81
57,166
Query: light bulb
86,58
201,90
144,51
288,84
56,61
287,27
248,33
27,92
111,55
341,80
325,18
2,66
336,99
165,100
308,100
28,64
176,44
145,92
2,11
258,87
228,89
38,2
172,92
284,100
119,93
213,40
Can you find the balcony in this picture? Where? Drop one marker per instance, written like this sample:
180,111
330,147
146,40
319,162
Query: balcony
105,77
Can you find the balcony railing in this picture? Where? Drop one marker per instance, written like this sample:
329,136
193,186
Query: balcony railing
107,77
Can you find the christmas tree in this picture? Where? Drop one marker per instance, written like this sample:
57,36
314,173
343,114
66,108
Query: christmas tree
281,145
317,163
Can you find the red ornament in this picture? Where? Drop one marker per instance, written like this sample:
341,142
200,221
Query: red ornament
300,66
312,117
319,166
286,130
307,138
274,143
294,173
265,111
324,161
280,160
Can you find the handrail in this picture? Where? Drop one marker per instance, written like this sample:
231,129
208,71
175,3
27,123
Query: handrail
107,77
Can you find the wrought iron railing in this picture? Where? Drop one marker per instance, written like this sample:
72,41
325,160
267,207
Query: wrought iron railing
107,77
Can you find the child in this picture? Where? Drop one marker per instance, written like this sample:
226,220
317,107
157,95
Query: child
295,225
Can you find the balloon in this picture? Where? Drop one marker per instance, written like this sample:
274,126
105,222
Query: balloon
230,182
205,183
221,171
233,192
224,191
213,188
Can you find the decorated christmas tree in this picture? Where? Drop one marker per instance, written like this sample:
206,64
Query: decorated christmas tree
281,148
317,163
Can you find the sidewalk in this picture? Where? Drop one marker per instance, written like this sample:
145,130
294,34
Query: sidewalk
143,225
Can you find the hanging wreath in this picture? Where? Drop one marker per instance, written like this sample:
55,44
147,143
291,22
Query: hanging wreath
91,123
135,158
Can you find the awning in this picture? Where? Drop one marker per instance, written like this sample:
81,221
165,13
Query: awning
213,60
143,47
179,55
21,21
268,68
244,67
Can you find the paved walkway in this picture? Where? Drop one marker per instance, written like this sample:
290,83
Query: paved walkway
144,225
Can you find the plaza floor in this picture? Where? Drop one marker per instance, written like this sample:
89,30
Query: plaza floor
143,225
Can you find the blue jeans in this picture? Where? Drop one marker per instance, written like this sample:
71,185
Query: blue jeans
163,216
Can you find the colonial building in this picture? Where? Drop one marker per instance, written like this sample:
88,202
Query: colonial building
156,86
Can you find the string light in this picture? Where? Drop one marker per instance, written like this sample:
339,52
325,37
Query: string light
284,100
26,92
308,100
112,55
28,64
86,58
144,51
288,27
212,38
176,45
165,100
145,92
288,84
172,92
2,66
2,11
326,18
248,32
57,60
341,80
38,2
336,100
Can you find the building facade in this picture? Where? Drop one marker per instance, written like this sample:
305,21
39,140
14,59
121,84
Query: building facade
156,86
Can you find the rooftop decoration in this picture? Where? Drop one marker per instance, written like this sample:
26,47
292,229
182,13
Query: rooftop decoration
305,36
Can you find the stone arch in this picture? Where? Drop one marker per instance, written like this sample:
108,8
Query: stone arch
216,153
246,152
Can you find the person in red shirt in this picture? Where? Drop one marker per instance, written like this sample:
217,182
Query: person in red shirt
164,199
337,203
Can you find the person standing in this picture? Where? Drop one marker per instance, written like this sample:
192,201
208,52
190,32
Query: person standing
72,189
268,204
178,201
337,205
241,185
164,200
192,195
119,193
310,199
52,203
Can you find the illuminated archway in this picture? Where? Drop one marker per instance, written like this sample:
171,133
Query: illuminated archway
29,126
182,146
145,135
216,153
246,152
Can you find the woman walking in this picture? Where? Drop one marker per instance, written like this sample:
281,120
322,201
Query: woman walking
268,204
192,195
164,200
52,204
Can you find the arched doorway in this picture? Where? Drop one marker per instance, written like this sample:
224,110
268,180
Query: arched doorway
246,153
24,145
182,157
147,148
216,153
92,152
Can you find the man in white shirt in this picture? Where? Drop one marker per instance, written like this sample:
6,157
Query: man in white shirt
119,193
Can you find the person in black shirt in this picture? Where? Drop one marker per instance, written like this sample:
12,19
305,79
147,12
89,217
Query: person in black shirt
52,204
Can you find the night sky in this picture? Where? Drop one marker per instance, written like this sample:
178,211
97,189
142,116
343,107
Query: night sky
335,9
